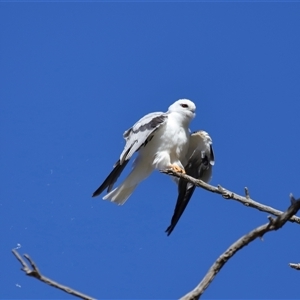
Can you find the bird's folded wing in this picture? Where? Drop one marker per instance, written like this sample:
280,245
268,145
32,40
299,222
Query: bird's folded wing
196,168
141,133
199,166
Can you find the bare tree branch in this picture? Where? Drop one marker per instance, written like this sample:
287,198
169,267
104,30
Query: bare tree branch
274,224
295,266
247,201
34,272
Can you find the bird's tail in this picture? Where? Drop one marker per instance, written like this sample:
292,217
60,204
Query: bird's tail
120,194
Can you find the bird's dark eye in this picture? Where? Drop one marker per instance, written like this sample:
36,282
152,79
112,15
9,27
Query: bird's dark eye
184,105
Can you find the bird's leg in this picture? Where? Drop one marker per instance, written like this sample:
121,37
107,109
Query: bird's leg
177,169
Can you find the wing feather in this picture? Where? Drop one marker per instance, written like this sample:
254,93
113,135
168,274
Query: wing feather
140,133
199,166
136,136
111,178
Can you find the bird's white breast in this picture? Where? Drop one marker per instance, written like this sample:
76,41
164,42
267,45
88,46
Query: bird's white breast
169,144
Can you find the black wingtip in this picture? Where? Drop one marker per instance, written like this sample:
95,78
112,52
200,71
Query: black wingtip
111,178
169,230
96,193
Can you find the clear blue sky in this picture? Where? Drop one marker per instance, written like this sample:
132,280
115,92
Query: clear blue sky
74,76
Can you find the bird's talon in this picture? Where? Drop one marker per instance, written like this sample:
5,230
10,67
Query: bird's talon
177,169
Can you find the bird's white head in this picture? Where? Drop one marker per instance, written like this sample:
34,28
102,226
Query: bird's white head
185,107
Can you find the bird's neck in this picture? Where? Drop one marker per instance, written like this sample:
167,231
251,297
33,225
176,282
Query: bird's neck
182,119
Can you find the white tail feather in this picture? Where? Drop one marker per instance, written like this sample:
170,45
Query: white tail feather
120,194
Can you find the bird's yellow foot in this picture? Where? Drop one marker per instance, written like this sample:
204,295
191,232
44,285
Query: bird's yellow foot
177,169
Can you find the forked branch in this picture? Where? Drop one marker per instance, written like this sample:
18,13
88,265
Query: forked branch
34,272
273,224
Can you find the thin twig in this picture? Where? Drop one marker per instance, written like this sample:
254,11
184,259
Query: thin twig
258,232
247,201
247,194
34,272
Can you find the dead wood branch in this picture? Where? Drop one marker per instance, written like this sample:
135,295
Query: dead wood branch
247,201
34,272
273,224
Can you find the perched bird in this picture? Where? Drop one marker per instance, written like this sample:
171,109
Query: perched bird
161,140
199,165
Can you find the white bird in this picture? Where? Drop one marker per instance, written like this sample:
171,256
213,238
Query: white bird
199,165
162,141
